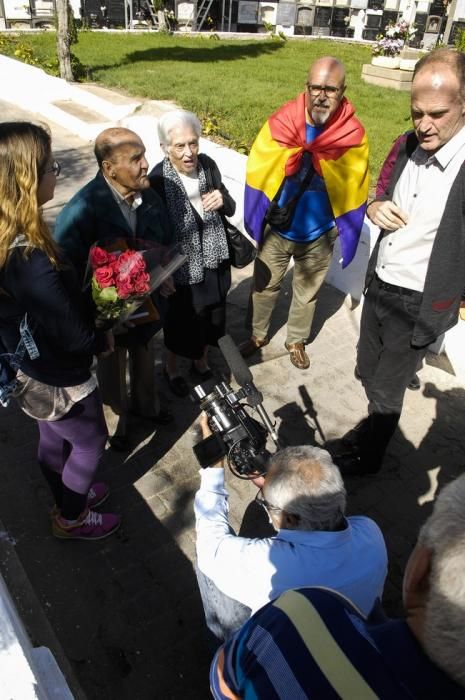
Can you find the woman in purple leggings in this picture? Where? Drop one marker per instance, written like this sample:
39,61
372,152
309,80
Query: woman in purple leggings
40,294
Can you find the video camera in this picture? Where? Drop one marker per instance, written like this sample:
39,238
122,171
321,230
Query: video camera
236,434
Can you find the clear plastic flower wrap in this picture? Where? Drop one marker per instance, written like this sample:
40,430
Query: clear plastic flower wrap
124,273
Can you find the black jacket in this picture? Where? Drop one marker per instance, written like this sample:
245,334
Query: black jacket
53,300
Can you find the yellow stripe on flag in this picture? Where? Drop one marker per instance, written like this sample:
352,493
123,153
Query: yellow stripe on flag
328,655
347,179
266,163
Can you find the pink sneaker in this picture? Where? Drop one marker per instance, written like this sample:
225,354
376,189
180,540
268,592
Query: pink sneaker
98,494
90,526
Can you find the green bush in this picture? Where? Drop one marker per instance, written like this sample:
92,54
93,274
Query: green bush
459,41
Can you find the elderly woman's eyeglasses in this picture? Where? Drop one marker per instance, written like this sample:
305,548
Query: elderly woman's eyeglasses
329,90
55,168
261,500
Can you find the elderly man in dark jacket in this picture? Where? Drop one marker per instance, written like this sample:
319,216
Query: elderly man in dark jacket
119,203
416,274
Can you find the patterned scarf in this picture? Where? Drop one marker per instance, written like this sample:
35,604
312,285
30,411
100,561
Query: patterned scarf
204,249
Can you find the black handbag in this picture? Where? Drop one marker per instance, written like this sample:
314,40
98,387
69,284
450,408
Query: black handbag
241,250
280,218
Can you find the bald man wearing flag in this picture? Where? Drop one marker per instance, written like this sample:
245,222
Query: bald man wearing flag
306,184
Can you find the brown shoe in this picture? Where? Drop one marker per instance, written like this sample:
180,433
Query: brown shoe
252,345
299,357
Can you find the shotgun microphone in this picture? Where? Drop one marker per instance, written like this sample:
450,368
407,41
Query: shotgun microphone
244,378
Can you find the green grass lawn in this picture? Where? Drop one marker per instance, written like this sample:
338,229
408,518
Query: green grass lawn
233,85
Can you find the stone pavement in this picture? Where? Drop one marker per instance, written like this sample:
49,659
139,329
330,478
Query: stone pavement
126,611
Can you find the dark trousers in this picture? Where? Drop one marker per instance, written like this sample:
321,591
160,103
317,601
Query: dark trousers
386,361
140,397
223,615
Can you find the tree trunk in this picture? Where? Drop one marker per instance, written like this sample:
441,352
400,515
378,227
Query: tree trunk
63,40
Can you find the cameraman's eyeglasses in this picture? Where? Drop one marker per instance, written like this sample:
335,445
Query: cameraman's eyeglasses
261,500
329,90
55,169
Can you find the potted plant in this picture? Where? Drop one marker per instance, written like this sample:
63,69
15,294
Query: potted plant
387,48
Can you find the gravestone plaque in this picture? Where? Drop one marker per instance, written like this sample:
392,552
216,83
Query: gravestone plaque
305,16
267,12
248,12
388,16
340,16
420,22
286,14
185,11
375,4
437,8
323,16
373,21
115,12
433,24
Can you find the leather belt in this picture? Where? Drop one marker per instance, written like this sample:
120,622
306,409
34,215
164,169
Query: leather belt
395,289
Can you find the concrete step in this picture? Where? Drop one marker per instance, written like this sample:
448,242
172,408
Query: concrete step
84,110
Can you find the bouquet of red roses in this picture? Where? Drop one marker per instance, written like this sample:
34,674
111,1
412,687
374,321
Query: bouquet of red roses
122,279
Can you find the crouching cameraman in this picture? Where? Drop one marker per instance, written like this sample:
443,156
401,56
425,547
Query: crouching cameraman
315,544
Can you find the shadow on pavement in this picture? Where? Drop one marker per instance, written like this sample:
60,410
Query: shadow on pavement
126,609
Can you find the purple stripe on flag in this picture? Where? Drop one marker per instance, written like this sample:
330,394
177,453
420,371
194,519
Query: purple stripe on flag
349,226
255,207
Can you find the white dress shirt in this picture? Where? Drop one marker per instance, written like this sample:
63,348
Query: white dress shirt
253,571
421,192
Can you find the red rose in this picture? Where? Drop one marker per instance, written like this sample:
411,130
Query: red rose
122,264
137,263
124,287
98,257
141,283
104,276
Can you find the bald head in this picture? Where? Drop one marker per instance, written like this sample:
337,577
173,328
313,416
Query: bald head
112,139
443,58
437,99
326,65
121,157
325,89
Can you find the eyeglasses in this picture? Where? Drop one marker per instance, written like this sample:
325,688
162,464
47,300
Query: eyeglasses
261,500
329,90
55,169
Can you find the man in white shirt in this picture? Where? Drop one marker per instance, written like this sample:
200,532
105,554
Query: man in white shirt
315,544
416,275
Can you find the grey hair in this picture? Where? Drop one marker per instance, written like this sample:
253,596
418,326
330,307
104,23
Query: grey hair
177,117
304,481
444,534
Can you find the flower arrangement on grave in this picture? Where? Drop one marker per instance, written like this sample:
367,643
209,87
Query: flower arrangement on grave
396,36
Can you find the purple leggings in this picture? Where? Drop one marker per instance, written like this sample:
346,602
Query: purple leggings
73,445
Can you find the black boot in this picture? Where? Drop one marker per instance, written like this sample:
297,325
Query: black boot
368,453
